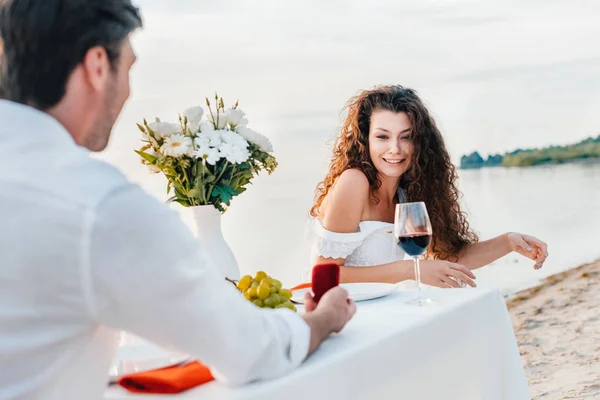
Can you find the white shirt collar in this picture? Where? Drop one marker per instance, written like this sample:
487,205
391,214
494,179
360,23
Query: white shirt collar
35,124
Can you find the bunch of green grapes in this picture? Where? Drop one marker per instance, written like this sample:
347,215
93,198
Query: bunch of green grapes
265,291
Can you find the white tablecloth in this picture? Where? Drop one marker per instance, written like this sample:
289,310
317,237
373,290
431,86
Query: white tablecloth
462,348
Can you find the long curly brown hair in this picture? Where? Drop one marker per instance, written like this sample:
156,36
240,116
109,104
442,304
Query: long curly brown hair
431,177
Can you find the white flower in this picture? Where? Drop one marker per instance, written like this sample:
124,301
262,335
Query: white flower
211,155
206,126
220,120
164,129
238,156
177,145
242,155
194,116
233,154
193,128
234,116
201,141
209,138
233,138
234,147
213,137
243,122
261,141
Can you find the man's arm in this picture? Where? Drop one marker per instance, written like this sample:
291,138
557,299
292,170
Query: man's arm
147,276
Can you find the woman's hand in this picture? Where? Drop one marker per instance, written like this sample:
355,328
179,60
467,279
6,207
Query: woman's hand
530,247
445,274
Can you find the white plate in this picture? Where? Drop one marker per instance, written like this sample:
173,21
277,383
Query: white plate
357,291
137,355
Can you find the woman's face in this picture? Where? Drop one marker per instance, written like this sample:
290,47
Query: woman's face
390,142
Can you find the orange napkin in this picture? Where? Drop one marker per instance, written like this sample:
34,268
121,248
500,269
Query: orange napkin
301,286
167,380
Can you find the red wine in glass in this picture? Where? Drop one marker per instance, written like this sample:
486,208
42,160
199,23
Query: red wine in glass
414,244
412,229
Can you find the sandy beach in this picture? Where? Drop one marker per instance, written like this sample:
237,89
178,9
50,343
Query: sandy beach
557,326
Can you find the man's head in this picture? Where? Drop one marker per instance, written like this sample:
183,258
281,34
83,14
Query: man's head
71,59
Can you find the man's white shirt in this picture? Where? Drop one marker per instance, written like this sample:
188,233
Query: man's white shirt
84,254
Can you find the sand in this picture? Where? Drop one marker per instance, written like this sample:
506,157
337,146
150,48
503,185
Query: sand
557,326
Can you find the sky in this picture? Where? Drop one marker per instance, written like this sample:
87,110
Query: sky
497,75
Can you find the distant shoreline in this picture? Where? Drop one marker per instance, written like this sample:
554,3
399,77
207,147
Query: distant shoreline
592,160
584,150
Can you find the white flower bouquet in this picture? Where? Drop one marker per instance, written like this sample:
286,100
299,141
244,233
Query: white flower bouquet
207,159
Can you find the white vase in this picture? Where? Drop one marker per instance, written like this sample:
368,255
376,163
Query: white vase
207,220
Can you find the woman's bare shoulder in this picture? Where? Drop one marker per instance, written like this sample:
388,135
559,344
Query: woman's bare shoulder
346,202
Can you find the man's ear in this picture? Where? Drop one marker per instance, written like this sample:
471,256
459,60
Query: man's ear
96,68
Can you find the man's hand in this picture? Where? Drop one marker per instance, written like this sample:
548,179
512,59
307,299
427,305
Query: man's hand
330,315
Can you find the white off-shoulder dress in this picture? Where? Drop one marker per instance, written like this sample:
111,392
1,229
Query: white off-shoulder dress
373,244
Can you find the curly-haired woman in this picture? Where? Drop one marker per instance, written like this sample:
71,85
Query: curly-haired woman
390,151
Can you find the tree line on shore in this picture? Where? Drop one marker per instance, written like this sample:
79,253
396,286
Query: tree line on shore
588,148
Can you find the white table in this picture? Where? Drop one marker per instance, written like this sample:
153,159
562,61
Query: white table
462,348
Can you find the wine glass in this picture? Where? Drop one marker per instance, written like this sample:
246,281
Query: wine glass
412,229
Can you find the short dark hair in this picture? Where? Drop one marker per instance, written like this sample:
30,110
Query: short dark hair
44,40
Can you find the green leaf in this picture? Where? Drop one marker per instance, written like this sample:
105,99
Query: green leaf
179,191
209,177
216,192
228,189
194,193
203,168
220,192
184,203
248,174
148,157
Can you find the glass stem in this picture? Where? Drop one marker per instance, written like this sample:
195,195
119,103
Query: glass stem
418,276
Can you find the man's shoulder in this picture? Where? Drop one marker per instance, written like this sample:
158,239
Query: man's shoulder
68,174
38,157
91,179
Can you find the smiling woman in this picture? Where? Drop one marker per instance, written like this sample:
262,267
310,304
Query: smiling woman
390,151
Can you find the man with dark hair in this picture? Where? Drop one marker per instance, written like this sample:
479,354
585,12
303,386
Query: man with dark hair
84,253
1,51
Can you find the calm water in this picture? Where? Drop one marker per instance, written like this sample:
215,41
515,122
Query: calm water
496,75
559,204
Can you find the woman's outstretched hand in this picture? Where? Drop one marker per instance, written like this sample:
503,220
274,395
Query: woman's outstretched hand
530,247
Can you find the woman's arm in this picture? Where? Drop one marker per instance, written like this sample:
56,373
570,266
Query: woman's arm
389,273
478,254
483,253
433,272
